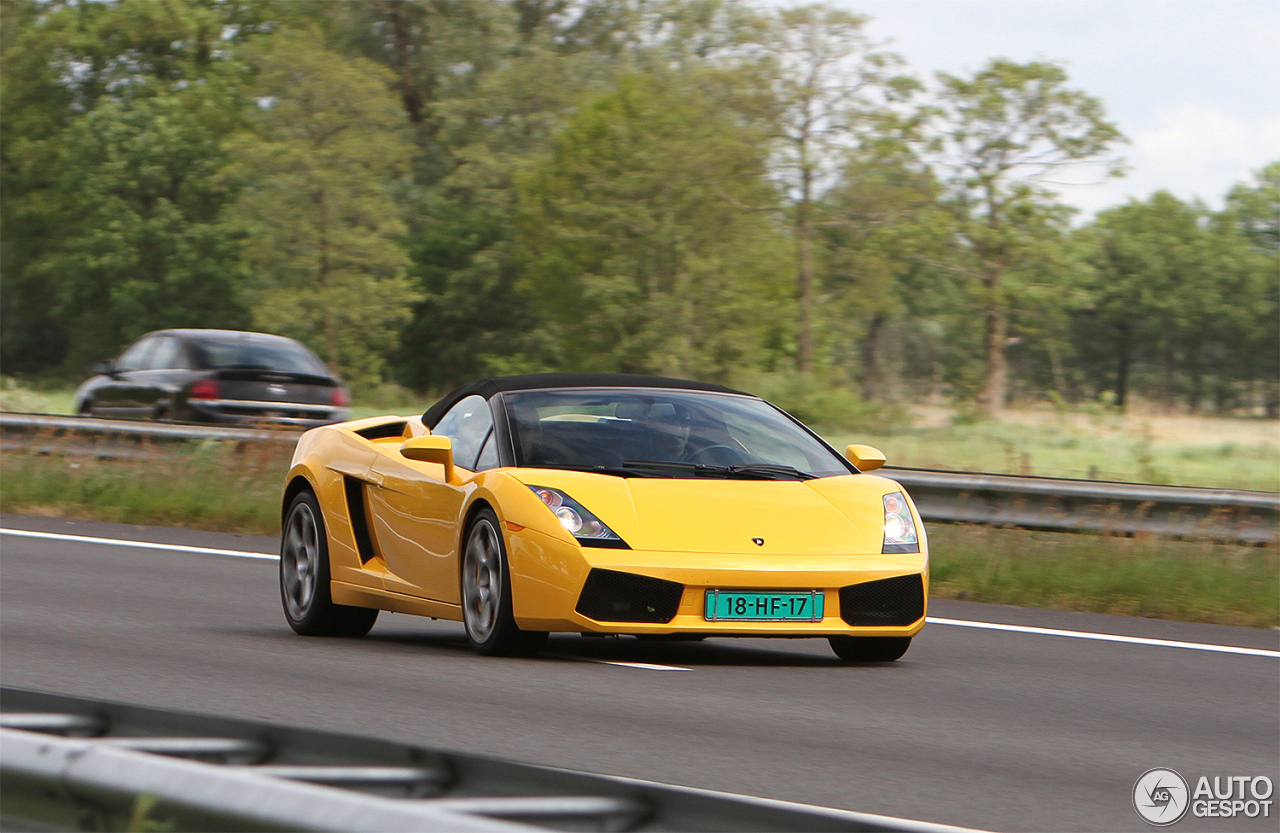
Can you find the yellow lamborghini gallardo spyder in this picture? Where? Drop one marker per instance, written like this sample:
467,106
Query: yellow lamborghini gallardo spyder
601,503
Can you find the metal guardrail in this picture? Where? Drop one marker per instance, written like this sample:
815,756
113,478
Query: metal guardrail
1046,503
1064,505
47,427
81,764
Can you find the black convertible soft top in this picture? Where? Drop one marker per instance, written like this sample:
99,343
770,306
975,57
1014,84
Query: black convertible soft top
534,381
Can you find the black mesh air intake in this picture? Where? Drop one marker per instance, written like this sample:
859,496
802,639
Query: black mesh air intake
381,432
610,596
890,602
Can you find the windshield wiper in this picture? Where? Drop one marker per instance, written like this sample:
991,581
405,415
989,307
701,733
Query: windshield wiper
772,470
661,465
615,471
759,471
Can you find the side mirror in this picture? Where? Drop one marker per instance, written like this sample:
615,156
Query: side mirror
431,449
864,457
107,368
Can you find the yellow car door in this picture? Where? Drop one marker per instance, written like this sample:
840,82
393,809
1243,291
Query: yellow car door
417,515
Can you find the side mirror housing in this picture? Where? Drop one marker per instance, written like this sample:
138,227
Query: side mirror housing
431,449
865,457
106,368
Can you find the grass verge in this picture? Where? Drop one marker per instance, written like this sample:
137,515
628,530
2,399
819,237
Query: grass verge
1189,451
1158,578
214,487
202,486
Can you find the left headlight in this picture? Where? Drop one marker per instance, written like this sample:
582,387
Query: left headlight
576,519
899,526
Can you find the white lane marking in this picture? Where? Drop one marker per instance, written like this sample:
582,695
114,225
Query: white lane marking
933,620
141,545
644,666
1106,637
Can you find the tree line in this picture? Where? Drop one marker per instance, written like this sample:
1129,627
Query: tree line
429,191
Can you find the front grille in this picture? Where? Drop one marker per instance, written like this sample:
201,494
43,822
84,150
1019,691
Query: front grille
890,602
610,596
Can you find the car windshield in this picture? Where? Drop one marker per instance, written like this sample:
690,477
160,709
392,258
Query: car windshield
258,353
643,432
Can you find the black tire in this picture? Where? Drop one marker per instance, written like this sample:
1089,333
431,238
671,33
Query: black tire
304,577
86,408
486,593
869,648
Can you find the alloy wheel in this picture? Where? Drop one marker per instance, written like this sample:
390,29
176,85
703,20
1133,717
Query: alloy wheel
300,561
482,581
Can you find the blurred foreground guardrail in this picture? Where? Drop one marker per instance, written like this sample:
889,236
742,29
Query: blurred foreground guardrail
1046,503
71,763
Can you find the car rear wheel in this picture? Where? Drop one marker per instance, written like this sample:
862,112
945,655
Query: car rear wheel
304,577
486,593
869,648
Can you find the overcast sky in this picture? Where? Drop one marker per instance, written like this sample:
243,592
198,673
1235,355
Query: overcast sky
1193,84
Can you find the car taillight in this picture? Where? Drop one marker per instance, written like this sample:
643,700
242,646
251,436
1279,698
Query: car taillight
338,397
204,389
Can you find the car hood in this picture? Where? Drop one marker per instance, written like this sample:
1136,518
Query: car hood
835,515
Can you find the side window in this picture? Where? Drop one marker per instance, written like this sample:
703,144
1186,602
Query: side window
466,424
488,454
135,358
166,354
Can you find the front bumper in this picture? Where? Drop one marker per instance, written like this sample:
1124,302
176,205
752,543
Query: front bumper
548,577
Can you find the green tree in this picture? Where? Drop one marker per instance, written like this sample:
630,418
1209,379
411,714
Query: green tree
114,116
323,232
1254,209
1003,131
1253,212
831,83
472,319
1186,300
882,249
644,251
149,248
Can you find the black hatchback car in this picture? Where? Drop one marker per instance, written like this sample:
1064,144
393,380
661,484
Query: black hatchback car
215,376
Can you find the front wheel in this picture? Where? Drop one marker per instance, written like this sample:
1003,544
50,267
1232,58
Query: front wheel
304,577
869,648
486,593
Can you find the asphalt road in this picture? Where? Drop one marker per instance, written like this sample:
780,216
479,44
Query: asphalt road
991,729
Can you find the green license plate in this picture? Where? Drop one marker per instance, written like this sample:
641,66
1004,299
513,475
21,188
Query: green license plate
739,605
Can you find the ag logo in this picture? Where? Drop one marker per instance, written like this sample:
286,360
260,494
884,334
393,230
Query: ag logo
1161,796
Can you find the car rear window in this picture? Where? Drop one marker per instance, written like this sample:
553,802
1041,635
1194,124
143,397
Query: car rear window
258,353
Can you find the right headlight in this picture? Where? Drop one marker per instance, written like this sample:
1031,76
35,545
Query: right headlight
899,526
589,530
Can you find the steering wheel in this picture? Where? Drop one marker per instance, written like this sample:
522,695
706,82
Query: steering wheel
735,456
